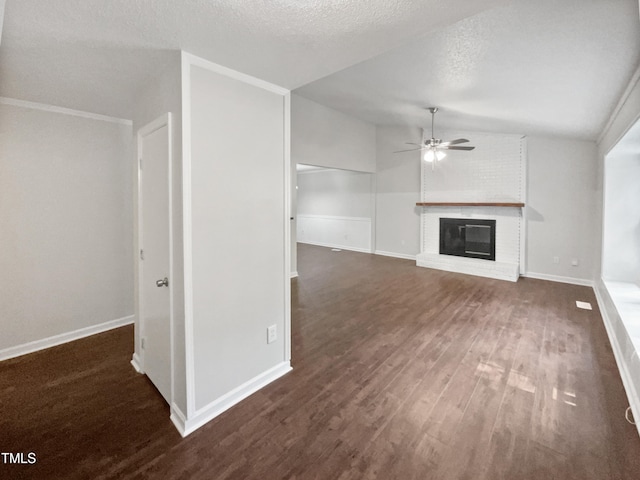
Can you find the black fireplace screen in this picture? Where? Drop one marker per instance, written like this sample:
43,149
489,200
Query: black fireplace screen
468,238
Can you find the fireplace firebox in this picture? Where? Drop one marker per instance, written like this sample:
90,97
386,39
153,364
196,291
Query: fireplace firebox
467,237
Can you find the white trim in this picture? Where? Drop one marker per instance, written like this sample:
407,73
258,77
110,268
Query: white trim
228,400
406,256
287,223
330,231
335,217
317,169
627,379
135,361
172,328
37,345
623,100
341,247
193,60
422,192
559,279
64,111
635,120
524,162
148,129
178,419
294,274
603,211
187,227
373,201
2,6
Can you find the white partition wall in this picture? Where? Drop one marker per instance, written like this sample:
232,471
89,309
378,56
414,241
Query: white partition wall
236,235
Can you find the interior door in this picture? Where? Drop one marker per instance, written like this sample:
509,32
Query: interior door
154,282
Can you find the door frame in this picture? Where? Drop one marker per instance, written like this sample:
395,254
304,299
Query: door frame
163,120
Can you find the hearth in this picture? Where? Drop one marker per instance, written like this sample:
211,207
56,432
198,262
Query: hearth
464,237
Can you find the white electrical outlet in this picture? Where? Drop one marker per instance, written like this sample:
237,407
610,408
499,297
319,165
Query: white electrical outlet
272,334
575,262
556,259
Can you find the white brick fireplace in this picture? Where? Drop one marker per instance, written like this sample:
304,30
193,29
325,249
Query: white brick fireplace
494,174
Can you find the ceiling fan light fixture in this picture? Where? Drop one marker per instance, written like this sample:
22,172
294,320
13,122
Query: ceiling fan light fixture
433,154
429,156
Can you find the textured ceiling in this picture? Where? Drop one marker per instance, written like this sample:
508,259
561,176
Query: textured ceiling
95,55
550,67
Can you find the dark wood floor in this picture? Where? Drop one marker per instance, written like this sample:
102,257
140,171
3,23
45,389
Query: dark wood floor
399,373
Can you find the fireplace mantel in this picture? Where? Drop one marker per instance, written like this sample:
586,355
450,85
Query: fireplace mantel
470,204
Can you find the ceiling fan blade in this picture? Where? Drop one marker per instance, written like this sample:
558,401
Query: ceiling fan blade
458,148
410,150
454,142
416,144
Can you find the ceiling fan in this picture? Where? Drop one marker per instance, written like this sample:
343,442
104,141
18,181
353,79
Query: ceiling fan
434,146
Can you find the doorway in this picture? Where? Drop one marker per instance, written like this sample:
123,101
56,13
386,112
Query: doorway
335,208
155,286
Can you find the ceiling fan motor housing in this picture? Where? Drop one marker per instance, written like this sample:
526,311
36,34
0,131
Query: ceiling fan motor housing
437,143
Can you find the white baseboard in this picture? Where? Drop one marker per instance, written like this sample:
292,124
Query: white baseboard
341,247
627,379
406,256
178,418
49,342
135,361
294,274
209,412
559,279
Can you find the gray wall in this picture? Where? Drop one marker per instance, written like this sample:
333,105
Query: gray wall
327,138
341,193
561,204
65,224
397,191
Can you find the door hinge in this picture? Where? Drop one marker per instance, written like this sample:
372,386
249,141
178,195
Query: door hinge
140,163
142,342
141,254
